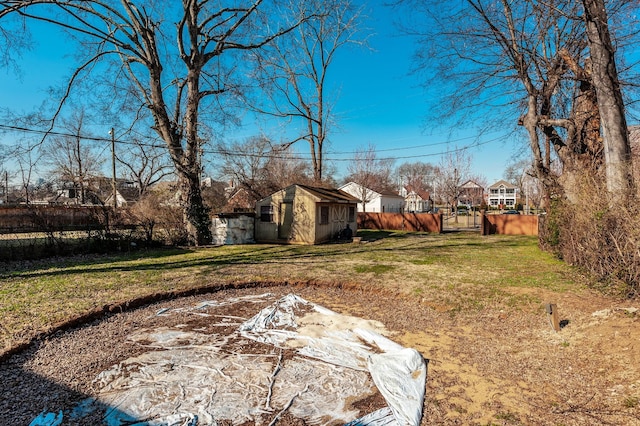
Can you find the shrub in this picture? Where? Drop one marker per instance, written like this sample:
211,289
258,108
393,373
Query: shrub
598,236
161,222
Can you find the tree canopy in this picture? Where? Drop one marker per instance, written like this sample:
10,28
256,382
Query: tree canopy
176,64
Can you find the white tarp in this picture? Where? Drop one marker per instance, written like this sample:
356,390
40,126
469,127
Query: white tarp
195,378
399,373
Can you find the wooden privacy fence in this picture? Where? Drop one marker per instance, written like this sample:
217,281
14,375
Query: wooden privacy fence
36,218
503,224
415,222
509,224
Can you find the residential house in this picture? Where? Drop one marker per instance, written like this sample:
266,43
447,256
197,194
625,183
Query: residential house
502,194
416,200
471,194
300,214
127,192
96,190
239,199
373,201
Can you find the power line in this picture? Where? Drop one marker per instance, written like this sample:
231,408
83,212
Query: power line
271,154
83,137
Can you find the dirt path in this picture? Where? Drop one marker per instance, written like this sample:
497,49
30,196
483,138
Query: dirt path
485,367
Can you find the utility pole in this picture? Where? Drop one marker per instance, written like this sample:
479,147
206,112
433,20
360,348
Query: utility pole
455,193
113,168
6,187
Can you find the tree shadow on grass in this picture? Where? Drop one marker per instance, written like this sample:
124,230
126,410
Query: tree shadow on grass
212,258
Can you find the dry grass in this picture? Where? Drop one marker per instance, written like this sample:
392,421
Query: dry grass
457,271
472,305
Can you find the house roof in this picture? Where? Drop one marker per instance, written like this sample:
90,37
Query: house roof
371,191
419,192
502,182
361,187
239,200
391,194
471,185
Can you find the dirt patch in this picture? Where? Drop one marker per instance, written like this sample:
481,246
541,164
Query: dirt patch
485,367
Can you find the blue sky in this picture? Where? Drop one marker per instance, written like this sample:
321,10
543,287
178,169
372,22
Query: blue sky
379,102
383,104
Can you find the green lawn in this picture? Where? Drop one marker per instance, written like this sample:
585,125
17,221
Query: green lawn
452,272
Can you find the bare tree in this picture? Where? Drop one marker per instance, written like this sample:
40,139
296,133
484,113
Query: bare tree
260,167
418,175
522,174
515,172
617,150
370,172
530,60
73,160
145,162
455,169
215,195
4,177
175,59
295,72
27,156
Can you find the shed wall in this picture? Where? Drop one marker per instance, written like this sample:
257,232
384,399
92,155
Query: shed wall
298,218
300,230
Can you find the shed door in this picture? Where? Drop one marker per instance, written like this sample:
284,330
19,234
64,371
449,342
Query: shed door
338,218
286,220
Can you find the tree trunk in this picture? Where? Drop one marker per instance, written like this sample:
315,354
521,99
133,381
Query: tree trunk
196,214
617,151
530,122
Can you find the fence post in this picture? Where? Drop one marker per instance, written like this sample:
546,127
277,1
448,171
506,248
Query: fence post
552,310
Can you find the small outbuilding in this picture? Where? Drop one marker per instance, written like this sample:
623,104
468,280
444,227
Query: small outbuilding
301,214
233,228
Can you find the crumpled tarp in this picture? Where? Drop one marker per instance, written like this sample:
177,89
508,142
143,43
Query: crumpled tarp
398,372
190,378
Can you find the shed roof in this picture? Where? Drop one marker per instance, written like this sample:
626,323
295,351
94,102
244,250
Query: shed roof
329,194
323,195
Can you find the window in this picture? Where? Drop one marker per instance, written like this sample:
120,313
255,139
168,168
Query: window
324,215
266,213
352,214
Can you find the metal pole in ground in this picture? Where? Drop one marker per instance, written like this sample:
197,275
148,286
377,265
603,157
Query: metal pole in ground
113,167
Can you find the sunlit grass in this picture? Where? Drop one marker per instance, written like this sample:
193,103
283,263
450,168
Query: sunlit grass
456,272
